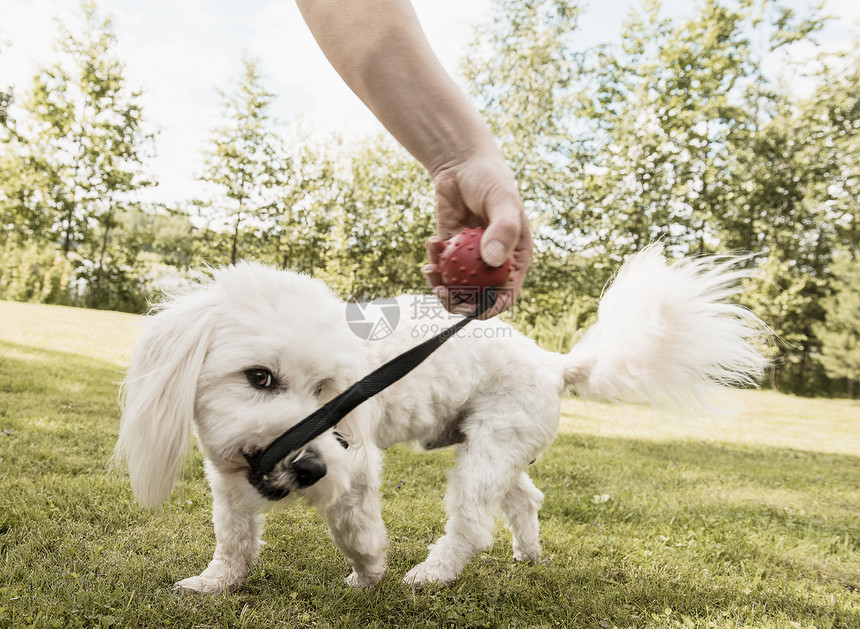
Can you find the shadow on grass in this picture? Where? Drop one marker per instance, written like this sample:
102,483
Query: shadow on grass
635,533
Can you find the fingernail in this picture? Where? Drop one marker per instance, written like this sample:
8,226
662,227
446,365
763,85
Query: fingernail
494,253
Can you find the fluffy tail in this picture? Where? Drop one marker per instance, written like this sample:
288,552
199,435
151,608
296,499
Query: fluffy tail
666,335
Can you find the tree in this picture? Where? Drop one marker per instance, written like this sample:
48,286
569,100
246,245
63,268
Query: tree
5,101
88,129
837,109
800,175
833,117
164,235
522,72
840,331
380,223
298,233
680,108
79,148
245,162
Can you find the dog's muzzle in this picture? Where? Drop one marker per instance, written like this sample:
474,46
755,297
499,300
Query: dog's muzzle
308,469
303,470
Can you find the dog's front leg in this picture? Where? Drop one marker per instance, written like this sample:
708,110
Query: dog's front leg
356,526
237,513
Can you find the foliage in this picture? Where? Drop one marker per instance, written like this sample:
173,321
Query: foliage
48,275
840,330
31,273
166,234
662,107
5,101
799,174
380,224
521,70
298,235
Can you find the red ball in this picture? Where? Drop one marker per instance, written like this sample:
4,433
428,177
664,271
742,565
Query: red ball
461,265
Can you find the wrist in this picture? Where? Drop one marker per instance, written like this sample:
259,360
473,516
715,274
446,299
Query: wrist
458,143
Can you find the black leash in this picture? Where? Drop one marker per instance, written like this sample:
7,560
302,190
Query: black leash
328,416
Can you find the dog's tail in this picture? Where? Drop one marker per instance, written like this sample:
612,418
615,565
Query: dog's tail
667,335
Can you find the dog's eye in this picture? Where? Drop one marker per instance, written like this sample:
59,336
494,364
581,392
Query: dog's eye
318,389
260,378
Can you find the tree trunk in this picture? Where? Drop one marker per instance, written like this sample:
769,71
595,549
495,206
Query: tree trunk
94,294
67,236
70,216
234,250
801,370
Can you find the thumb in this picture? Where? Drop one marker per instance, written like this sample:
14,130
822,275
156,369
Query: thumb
502,235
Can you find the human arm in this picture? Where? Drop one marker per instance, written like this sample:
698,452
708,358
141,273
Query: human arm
379,49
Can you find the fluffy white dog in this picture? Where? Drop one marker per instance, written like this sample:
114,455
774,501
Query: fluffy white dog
243,357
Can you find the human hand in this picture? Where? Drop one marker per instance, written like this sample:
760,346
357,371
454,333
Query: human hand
480,192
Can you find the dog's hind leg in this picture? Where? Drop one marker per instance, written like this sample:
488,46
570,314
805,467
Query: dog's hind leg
520,507
483,476
356,526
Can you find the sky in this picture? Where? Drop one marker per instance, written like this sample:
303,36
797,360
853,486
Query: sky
180,52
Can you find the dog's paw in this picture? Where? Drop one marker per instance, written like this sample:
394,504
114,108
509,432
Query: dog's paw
527,555
426,574
203,585
356,580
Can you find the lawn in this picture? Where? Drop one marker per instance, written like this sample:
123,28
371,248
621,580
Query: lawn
745,521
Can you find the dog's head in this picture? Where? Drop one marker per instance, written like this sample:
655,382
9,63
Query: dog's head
242,358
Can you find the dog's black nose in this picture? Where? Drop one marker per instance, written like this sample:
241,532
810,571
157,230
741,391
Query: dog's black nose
308,469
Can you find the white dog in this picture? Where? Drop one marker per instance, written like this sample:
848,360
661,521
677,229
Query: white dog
247,355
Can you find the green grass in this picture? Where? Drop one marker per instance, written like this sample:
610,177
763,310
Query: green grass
750,521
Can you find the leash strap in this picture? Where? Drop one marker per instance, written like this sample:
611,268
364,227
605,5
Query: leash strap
328,416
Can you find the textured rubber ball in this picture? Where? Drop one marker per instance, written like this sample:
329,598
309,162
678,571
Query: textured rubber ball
461,265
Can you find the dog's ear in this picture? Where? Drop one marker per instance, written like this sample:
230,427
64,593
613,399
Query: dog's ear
158,396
